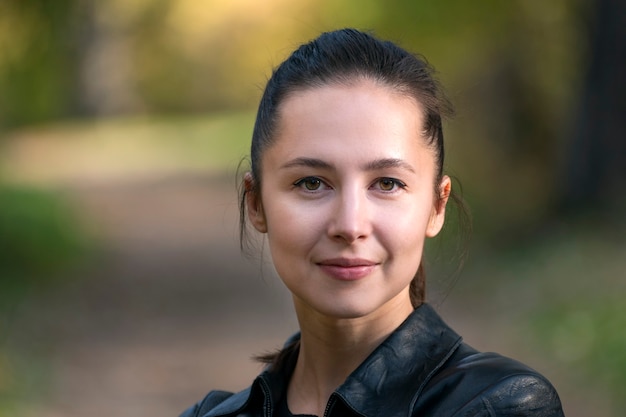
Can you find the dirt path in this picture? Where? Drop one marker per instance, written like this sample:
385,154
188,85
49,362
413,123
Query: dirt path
169,309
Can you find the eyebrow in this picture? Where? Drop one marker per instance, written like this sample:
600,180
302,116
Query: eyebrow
386,163
375,165
307,162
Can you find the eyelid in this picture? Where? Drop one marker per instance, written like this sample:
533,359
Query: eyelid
397,183
300,182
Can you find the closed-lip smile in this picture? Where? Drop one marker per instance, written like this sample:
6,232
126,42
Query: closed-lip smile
347,269
347,262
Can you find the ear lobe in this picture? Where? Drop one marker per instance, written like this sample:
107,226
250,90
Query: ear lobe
253,204
438,214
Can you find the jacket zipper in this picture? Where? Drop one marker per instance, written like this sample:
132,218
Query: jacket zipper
329,405
268,400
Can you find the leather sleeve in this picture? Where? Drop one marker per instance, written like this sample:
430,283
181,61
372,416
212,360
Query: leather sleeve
212,399
524,395
475,384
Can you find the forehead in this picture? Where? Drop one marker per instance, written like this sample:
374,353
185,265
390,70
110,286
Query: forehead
362,115
355,91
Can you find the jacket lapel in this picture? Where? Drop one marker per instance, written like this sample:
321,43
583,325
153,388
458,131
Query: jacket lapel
391,379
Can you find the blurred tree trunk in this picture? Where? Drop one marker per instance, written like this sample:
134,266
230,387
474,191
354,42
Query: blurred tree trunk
595,170
105,73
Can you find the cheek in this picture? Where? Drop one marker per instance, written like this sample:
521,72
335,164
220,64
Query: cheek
292,228
404,229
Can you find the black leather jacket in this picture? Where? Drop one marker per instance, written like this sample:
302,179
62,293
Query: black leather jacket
422,369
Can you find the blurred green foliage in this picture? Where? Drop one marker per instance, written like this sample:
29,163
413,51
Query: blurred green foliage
35,64
39,237
40,240
22,378
590,338
187,56
560,295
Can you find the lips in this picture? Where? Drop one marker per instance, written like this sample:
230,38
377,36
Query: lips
347,269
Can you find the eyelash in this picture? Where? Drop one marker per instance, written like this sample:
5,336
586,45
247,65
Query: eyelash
396,184
301,183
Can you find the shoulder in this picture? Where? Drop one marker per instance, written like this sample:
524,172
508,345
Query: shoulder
216,401
522,394
489,384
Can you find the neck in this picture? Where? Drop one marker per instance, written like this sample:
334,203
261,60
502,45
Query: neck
332,348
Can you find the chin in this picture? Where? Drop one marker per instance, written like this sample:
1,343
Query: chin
340,310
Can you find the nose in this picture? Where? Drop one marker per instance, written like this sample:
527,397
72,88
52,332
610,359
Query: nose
350,220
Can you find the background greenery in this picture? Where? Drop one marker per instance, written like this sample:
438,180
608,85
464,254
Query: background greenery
138,88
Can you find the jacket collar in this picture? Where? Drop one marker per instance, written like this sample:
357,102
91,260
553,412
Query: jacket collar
387,383
391,379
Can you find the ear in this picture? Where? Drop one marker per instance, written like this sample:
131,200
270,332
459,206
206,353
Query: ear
253,204
438,214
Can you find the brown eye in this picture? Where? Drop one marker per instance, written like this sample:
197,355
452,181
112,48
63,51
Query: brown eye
386,184
310,183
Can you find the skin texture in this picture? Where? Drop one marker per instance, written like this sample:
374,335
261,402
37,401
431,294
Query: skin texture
347,198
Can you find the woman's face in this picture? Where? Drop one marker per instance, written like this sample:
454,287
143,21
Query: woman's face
347,198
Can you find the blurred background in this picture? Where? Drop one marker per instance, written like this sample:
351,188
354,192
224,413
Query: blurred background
122,124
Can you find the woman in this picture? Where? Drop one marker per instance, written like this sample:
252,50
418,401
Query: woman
347,182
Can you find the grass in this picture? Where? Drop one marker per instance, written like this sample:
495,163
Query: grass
22,378
39,240
38,235
563,295
126,148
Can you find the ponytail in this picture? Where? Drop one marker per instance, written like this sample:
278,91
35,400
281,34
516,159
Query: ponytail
417,288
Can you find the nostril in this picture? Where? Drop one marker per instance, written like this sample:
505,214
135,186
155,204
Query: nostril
349,229
350,221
